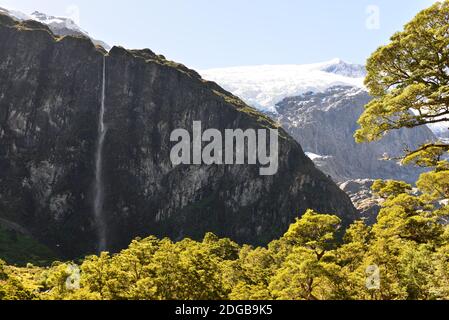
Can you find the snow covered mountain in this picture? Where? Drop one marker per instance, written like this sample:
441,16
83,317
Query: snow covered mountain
58,25
265,86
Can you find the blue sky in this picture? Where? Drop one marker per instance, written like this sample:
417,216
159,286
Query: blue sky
212,33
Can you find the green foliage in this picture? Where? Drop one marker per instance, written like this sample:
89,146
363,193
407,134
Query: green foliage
19,249
409,81
390,188
16,283
409,245
436,183
314,231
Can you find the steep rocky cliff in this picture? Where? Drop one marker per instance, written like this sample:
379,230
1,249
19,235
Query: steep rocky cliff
50,97
324,124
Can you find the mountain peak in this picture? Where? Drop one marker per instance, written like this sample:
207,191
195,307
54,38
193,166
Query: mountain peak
340,67
60,26
57,22
41,16
336,61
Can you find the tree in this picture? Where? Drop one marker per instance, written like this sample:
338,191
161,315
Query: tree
390,189
407,233
250,275
439,281
409,81
315,231
308,268
13,287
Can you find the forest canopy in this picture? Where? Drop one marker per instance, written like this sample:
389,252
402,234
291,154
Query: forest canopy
405,255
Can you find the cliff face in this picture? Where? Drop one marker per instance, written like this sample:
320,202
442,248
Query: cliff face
50,96
324,124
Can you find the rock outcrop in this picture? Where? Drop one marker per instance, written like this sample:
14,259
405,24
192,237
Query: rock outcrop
365,201
50,96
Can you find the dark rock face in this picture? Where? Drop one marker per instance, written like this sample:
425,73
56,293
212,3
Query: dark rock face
324,124
50,91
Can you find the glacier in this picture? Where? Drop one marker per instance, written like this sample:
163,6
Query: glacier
266,85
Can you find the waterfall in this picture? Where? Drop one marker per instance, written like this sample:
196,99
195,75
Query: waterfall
99,186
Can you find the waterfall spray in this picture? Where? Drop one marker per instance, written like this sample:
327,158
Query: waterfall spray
99,187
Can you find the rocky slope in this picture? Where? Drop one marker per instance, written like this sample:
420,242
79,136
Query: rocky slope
363,198
50,96
324,124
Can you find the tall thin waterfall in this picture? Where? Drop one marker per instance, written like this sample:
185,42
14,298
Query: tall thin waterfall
99,186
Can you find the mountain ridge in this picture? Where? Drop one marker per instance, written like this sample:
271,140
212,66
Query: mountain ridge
61,26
